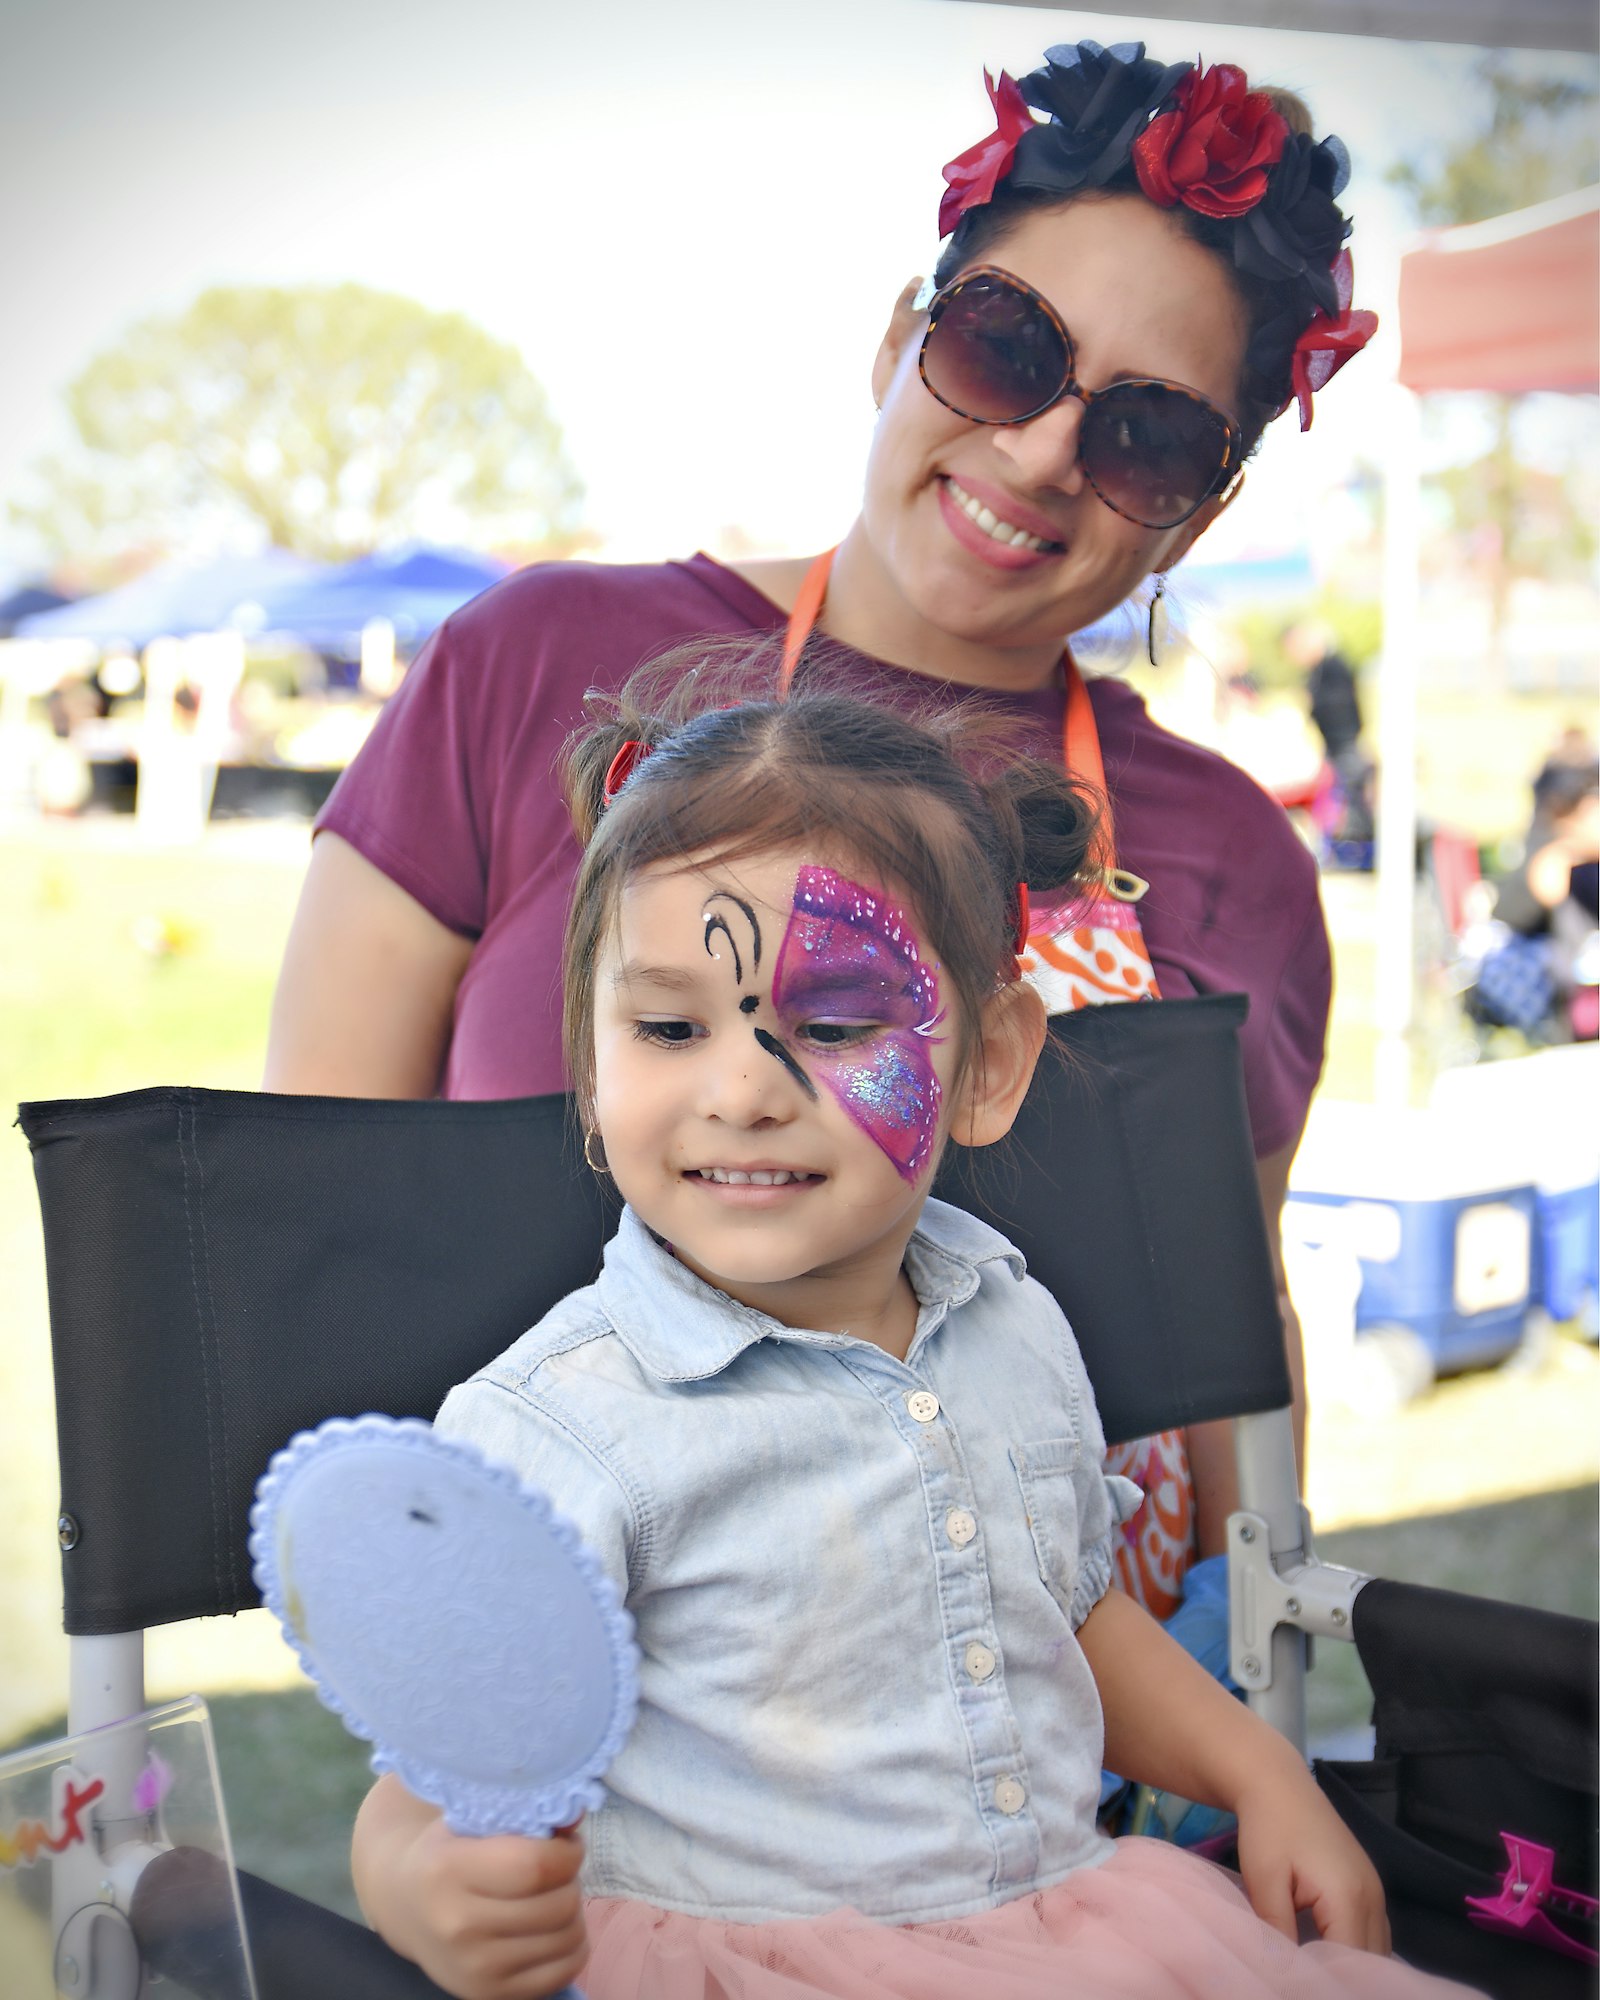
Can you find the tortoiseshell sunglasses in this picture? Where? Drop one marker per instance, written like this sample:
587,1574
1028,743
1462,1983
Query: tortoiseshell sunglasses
997,352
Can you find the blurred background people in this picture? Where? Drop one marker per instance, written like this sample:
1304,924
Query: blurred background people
1552,897
1343,808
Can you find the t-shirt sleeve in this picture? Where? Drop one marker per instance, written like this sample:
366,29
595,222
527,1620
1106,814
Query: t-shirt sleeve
415,801
1285,1039
513,1430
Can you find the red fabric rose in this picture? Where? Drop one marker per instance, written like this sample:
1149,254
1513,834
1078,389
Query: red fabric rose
1329,341
1211,151
974,175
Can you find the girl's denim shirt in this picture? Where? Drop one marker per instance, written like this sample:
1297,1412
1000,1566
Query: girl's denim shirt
856,1580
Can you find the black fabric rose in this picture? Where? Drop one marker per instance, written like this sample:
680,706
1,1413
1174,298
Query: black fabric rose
1296,228
1099,101
1270,355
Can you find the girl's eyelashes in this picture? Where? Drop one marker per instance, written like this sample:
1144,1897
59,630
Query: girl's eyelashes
826,1035
669,1033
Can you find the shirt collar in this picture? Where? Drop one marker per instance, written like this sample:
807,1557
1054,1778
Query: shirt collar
680,1329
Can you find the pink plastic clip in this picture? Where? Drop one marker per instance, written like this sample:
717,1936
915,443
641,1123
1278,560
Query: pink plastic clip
1527,1893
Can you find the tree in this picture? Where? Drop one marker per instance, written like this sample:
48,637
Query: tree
334,418
1540,141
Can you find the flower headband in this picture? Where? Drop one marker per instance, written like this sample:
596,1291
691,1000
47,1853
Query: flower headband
1202,138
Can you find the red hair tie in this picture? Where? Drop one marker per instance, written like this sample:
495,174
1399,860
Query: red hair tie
1024,925
622,767
1329,341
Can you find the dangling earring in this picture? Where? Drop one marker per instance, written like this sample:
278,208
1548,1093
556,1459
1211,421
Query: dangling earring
591,1138
1150,631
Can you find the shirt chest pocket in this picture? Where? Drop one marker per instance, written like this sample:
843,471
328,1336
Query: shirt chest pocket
1046,1474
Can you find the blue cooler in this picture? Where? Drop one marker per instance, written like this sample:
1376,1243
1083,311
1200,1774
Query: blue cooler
1439,1219
1567,1253
1547,1107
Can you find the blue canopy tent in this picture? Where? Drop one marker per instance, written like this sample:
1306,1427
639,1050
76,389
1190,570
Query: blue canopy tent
1247,580
175,600
415,588
27,602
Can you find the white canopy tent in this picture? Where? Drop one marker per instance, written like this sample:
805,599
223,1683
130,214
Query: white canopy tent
1510,305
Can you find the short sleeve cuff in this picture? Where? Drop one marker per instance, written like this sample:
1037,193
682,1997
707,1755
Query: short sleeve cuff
1094,1567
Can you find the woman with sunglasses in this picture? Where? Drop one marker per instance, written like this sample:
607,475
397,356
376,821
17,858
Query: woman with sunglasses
1144,265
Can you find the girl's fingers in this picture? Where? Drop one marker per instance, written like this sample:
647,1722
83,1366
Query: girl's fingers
526,1921
507,1866
518,1968
521,1976
1274,1904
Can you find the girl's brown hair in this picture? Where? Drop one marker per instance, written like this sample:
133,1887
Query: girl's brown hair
937,805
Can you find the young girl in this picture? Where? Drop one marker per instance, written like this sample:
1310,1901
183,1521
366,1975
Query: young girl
835,1446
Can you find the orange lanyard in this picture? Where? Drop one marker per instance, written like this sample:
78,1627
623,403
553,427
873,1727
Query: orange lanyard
1078,727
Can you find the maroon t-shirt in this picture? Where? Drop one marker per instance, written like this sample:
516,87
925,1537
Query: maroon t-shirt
454,798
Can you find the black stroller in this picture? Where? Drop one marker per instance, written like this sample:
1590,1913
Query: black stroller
228,1268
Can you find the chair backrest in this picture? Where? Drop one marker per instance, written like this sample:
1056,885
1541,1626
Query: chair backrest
226,1268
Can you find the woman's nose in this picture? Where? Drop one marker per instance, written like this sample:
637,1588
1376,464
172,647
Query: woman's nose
1044,451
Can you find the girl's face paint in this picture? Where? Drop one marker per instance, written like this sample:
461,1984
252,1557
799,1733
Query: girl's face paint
850,965
717,924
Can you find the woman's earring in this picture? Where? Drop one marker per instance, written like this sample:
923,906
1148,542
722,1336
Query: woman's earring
591,1139
1150,632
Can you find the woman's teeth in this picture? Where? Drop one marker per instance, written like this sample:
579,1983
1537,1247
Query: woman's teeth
760,1177
991,524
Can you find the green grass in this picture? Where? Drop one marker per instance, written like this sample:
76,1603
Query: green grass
125,966
140,966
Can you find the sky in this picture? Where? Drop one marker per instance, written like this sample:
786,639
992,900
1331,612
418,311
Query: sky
690,216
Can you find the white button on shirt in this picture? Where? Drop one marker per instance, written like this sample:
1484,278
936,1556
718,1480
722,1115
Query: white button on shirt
980,1661
923,1405
960,1526
1009,1796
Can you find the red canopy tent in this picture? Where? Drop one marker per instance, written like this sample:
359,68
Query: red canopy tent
1509,305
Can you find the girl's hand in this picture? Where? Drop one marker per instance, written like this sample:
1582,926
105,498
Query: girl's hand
492,1919
1170,1725
1295,1853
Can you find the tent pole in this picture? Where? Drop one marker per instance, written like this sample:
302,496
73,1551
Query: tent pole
1397,748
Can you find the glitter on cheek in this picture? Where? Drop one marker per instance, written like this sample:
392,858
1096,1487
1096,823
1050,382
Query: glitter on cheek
894,1096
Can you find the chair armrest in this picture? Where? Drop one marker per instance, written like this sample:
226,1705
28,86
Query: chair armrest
302,1951
183,1917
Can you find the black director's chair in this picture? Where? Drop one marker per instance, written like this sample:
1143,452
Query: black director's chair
226,1268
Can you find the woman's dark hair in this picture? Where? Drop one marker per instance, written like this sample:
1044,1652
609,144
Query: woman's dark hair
936,806
1276,312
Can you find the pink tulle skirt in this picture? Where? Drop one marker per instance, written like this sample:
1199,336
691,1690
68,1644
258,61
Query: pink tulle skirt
1152,1923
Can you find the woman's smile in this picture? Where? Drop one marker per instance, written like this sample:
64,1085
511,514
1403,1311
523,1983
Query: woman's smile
989,534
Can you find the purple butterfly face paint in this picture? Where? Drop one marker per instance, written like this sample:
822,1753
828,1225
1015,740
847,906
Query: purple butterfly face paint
850,955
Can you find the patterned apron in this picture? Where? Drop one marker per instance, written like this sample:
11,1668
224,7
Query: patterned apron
1088,951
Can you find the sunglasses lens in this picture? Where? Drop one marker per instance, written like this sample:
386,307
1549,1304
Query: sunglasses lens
1153,452
992,355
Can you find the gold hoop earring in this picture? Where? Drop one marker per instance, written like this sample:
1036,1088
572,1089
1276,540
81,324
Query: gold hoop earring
596,1166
